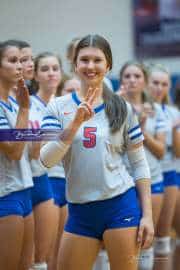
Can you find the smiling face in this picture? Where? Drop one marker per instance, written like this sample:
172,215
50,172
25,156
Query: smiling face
134,79
91,66
27,63
48,73
159,85
10,65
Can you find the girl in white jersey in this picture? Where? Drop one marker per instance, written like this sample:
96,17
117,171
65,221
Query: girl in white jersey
133,77
96,127
48,193
176,222
158,86
16,221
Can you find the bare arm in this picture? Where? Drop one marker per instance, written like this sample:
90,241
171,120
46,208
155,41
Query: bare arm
156,145
13,150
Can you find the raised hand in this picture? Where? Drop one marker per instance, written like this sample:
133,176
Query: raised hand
85,111
22,95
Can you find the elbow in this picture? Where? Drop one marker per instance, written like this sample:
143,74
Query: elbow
161,152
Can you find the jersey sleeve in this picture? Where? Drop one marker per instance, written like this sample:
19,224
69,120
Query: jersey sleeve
160,125
52,118
133,130
3,120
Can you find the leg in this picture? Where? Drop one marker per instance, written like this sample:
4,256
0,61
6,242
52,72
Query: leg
157,201
123,253
27,249
11,239
77,252
176,223
62,213
167,211
45,226
162,242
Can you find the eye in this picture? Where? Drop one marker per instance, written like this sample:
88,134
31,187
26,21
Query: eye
44,68
97,60
56,68
137,76
13,59
127,76
164,84
84,59
155,83
24,59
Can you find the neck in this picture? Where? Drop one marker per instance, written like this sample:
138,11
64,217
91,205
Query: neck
45,95
5,89
135,99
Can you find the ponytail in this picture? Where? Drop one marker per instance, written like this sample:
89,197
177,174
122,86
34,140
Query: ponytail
115,108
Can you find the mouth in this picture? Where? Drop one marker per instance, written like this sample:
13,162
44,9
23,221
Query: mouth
91,75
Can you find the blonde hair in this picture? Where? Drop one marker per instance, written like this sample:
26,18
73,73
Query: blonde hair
151,68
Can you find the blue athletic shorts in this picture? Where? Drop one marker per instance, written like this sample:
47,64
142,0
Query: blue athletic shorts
157,188
178,179
170,178
58,187
94,218
42,190
16,203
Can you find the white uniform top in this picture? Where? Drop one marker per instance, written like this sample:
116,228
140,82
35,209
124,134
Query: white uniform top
93,165
14,175
37,111
177,160
171,116
154,125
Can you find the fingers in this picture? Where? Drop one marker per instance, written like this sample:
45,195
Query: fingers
91,95
145,236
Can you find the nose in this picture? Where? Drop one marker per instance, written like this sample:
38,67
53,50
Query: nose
19,66
90,65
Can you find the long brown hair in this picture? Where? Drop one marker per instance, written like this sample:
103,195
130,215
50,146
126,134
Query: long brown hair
115,106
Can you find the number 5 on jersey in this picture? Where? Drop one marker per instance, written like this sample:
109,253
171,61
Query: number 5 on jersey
89,137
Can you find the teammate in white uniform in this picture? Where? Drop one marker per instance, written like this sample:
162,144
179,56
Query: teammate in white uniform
47,196
102,199
16,220
159,85
133,77
176,222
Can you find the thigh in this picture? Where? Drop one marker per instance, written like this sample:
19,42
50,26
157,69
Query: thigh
122,247
46,222
27,248
167,211
176,222
11,235
77,252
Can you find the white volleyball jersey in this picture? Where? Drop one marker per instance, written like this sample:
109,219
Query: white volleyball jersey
94,168
177,160
14,175
37,111
171,116
155,124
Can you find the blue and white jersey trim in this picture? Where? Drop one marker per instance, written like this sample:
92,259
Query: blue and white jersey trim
51,122
3,123
135,132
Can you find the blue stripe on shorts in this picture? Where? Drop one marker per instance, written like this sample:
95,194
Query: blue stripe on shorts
16,203
42,190
170,178
94,218
59,187
157,188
